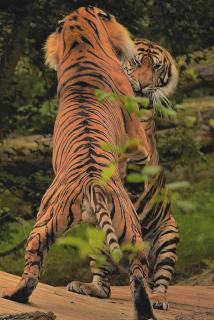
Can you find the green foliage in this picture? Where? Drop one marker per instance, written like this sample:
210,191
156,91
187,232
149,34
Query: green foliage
209,263
88,241
14,234
144,175
166,112
195,222
23,182
191,73
107,146
128,102
190,121
108,172
178,185
35,110
185,205
122,149
211,122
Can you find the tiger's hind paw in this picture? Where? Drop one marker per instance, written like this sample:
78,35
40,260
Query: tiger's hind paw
21,292
90,289
159,301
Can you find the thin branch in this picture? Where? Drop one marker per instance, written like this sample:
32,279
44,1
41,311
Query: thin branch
14,249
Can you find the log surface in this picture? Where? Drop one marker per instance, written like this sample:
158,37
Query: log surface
186,303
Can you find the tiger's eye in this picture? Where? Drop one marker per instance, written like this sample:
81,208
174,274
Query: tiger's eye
157,66
137,63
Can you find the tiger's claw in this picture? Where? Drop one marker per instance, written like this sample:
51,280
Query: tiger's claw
159,301
89,289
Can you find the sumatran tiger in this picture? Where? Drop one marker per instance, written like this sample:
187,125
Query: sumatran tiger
83,50
155,76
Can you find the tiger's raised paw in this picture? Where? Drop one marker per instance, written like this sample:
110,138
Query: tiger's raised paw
159,302
90,289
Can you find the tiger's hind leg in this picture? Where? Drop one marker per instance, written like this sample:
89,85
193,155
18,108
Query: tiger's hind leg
163,253
100,285
50,223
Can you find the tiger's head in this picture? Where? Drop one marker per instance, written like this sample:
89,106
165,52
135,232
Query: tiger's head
154,74
101,29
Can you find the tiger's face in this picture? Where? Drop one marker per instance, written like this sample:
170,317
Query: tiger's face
100,27
154,74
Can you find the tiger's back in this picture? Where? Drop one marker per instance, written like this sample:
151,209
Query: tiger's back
81,51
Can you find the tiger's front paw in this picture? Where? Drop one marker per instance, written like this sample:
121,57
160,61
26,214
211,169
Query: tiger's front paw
21,292
158,301
90,289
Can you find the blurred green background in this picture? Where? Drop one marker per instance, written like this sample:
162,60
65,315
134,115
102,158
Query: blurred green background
28,108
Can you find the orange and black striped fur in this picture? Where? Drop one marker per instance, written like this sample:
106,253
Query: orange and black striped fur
155,76
83,51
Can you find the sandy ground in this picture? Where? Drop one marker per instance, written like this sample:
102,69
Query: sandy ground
186,303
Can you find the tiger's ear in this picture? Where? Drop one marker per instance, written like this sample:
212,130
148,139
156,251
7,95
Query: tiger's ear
51,49
122,42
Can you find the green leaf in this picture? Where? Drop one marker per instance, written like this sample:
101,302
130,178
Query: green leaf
116,255
143,112
101,95
129,105
165,111
130,144
211,122
191,73
180,107
178,185
135,177
209,263
107,146
83,247
96,237
133,166
151,170
143,102
108,172
133,248
186,205
190,121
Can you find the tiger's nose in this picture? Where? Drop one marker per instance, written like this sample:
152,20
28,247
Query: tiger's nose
146,80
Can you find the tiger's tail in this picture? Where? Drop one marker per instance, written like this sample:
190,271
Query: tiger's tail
99,204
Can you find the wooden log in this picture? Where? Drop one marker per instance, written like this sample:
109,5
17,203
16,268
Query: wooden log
29,316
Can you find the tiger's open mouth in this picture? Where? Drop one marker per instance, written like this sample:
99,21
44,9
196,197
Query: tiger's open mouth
153,93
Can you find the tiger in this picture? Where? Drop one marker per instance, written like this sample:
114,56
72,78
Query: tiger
87,44
154,75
